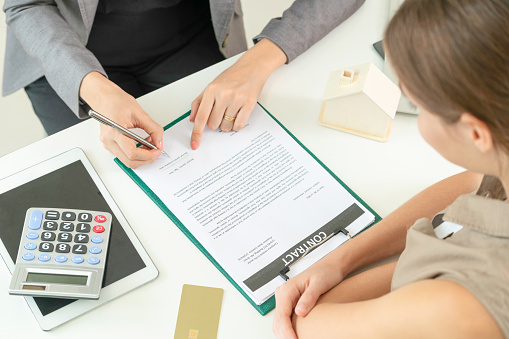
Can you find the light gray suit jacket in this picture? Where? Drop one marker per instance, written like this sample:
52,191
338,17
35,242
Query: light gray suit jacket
48,38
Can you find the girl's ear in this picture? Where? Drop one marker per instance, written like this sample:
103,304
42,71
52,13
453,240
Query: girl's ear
478,131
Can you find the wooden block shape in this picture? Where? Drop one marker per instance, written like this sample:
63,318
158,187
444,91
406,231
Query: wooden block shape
361,100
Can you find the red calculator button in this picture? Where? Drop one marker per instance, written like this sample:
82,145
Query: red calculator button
100,218
98,229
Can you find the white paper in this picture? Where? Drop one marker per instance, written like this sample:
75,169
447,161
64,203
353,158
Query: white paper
249,196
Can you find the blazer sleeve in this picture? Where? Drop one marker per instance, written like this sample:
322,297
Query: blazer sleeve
48,38
305,23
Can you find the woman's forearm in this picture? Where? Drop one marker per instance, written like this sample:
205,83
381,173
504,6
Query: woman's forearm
387,238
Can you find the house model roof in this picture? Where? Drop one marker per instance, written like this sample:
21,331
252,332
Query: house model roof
368,79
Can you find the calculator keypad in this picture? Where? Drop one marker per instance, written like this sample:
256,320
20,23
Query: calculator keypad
78,259
84,217
65,237
28,256
83,228
35,220
67,226
52,215
79,249
46,247
63,248
81,238
48,236
98,229
50,226
32,235
68,216
100,218
97,239
30,246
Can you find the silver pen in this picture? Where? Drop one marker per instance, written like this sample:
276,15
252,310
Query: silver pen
102,119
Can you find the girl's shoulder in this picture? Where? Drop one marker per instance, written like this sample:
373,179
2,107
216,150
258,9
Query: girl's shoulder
471,253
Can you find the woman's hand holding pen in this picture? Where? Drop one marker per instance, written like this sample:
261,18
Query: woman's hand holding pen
228,101
300,294
111,101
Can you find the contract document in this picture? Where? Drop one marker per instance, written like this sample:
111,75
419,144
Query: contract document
256,200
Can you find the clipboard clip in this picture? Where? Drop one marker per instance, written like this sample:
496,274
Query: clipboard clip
284,272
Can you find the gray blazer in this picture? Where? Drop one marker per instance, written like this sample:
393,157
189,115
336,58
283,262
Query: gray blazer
48,38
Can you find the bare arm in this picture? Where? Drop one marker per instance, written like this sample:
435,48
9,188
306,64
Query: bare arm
382,241
388,237
425,309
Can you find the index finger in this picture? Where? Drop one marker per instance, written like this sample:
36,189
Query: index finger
201,119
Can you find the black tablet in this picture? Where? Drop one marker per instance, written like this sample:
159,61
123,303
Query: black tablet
68,180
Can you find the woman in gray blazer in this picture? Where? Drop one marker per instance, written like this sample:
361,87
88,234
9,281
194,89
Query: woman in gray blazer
105,53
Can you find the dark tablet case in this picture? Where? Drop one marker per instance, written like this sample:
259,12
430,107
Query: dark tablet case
68,187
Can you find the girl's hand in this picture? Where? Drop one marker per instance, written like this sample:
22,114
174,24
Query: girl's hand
300,294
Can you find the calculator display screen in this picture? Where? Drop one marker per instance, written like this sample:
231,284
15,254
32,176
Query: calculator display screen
57,278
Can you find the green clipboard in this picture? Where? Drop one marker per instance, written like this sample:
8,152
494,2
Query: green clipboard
270,304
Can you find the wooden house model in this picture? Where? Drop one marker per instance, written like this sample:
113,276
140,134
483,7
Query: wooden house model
361,100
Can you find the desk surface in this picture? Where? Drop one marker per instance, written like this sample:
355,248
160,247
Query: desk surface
384,175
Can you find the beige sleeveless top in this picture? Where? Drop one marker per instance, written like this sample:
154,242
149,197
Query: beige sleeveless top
467,244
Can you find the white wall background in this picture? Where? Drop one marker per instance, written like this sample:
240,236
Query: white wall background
21,127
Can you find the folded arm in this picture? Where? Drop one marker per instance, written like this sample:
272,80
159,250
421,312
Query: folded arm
383,240
425,309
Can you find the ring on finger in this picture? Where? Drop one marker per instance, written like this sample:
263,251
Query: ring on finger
225,117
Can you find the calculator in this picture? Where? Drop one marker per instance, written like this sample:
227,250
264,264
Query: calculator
62,253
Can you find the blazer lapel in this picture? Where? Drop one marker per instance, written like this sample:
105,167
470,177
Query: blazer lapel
88,9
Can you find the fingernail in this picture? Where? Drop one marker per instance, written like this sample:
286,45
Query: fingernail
160,144
300,309
194,144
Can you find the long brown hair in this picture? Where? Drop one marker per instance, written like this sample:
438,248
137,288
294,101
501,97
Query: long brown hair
453,57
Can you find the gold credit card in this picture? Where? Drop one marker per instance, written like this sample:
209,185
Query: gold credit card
199,311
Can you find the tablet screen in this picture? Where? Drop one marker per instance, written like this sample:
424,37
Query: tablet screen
67,187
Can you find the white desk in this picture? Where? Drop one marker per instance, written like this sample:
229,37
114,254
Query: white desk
384,175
